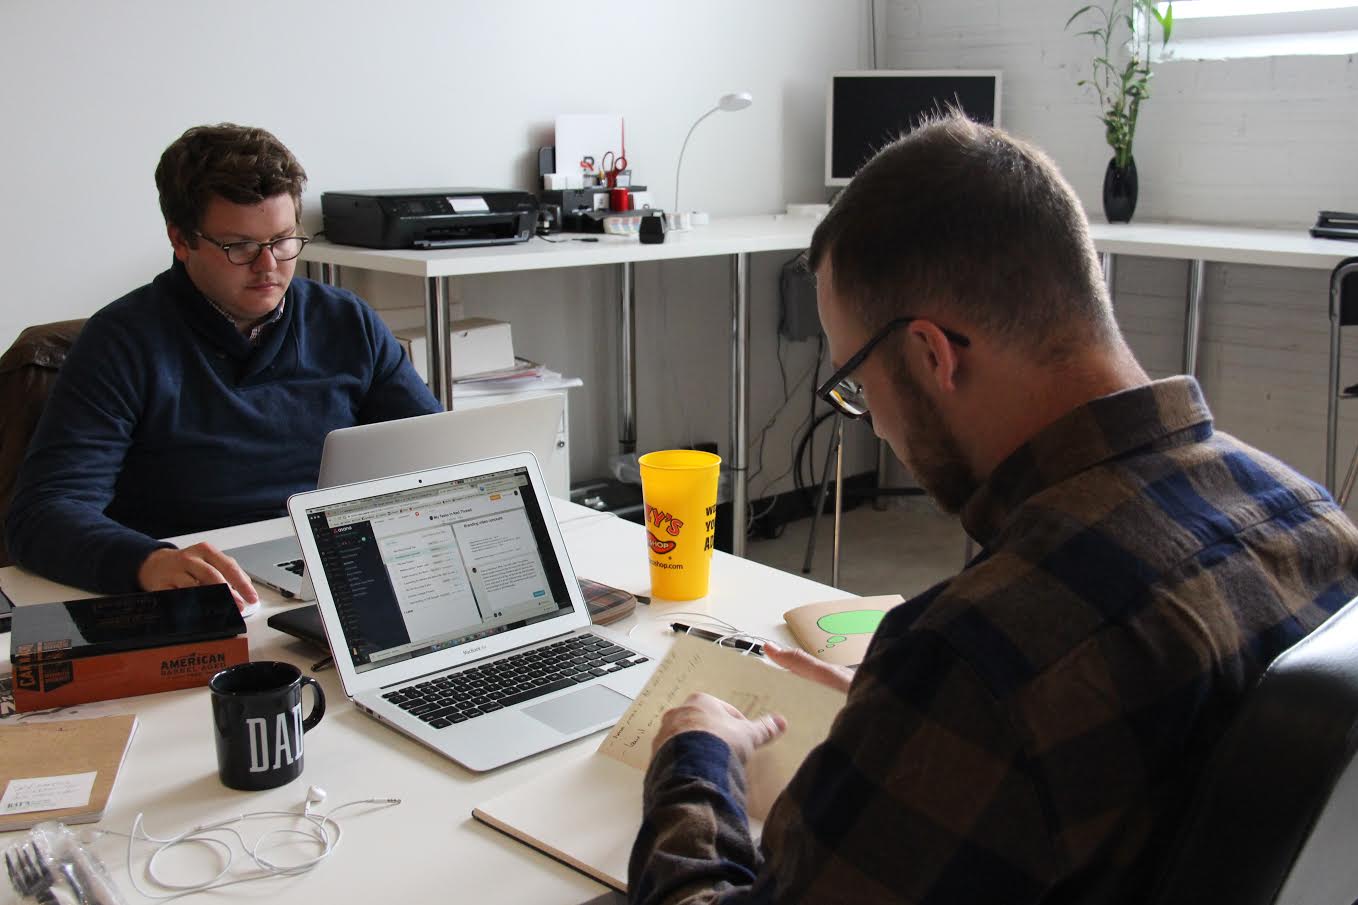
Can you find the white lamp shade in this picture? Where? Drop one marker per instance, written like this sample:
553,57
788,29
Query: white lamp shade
737,101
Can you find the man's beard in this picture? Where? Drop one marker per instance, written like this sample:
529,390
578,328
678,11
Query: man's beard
931,451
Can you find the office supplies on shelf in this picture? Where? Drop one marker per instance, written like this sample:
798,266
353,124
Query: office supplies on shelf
129,644
428,218
725,639
585,814
838,631
61,770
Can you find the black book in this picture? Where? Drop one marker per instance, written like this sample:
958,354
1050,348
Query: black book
103,625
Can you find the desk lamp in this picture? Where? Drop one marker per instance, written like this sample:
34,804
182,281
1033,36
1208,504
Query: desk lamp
728,103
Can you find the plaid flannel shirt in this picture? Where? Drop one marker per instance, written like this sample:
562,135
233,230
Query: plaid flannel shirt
1030,730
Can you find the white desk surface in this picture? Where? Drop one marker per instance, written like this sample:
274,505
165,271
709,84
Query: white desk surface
429,848
723,236
1222,244
733,235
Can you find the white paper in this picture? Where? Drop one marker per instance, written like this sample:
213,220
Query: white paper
748,683
468,204
581,135
47,793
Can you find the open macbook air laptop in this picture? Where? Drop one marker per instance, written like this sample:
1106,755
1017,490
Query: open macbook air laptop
408,444
454,614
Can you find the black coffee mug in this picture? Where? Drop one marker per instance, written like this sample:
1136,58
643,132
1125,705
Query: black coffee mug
257,723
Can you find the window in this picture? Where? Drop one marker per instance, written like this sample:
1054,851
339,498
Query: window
1219,29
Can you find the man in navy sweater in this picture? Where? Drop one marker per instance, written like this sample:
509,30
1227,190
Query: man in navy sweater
203,398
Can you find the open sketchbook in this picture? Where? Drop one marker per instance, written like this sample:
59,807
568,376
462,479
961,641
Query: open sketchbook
586,814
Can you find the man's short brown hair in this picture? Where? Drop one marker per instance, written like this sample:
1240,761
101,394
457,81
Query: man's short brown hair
243,164
961,218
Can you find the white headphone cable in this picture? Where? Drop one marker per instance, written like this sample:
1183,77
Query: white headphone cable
317,832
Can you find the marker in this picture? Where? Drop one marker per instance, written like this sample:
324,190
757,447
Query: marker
726,640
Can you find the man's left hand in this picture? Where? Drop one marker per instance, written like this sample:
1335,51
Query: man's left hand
704,713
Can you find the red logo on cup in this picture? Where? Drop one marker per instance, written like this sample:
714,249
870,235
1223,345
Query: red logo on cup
659,546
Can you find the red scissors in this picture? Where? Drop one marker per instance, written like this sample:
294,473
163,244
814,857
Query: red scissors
619,164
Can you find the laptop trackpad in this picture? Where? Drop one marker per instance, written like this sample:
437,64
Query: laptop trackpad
587,707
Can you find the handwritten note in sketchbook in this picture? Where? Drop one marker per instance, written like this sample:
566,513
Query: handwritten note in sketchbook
585,813
753,687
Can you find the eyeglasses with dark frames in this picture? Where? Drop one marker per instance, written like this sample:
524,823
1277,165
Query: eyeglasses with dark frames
845,393
245,252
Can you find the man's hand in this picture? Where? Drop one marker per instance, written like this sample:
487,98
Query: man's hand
704,713
200,564
808,667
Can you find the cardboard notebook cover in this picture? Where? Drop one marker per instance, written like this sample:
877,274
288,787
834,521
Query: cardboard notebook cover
586,813
99,648
838,631
62,748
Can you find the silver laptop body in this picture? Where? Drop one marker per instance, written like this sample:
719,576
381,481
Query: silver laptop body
457,577
404,445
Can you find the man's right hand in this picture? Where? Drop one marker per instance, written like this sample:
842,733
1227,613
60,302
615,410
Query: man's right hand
808,667
201,564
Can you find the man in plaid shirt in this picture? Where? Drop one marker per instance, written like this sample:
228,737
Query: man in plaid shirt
1031,729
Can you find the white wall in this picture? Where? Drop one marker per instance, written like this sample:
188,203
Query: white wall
1262,142
429,92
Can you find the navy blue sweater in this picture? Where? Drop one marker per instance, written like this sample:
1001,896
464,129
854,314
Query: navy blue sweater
165,420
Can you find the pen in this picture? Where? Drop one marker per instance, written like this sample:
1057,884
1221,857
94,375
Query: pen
725,640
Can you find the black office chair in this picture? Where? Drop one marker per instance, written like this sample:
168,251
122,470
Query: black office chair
1275,819
1343,313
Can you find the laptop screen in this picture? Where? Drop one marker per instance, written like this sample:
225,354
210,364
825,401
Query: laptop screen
422,570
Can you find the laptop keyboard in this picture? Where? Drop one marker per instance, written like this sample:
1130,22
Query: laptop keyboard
460,696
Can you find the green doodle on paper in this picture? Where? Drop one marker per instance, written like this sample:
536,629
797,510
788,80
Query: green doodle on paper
851,622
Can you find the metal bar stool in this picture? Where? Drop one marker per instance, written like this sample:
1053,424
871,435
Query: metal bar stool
1343,313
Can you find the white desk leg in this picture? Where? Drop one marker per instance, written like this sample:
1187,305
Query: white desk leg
740,397
1109,262
1193,317
627,364
438,345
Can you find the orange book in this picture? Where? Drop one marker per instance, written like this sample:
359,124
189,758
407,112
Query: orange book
113,647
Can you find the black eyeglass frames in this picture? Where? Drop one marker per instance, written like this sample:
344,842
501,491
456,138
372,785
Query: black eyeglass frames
845,393
245,252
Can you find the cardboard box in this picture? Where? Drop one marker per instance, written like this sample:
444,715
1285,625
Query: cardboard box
479,345
112,647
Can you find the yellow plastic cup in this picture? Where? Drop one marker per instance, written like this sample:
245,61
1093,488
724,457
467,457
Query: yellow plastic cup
679,491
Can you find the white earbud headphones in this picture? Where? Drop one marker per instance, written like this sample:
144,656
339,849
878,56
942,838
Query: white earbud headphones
317,830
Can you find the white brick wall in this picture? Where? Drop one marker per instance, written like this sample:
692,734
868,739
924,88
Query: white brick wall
1262,142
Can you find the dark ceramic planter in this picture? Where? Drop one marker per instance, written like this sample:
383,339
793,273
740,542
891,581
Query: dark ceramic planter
1119,191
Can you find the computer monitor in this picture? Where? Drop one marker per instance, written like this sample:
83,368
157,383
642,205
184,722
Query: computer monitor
866,110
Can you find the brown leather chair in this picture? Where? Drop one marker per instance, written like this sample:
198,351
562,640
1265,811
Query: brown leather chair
27,371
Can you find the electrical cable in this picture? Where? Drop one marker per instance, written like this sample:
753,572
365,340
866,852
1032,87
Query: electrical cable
318,832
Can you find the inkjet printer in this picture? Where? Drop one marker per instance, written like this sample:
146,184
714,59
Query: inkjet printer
428,218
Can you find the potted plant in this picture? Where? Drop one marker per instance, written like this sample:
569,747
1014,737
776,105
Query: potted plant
1122,27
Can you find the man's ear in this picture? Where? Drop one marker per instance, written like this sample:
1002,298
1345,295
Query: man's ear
178,241
940,355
